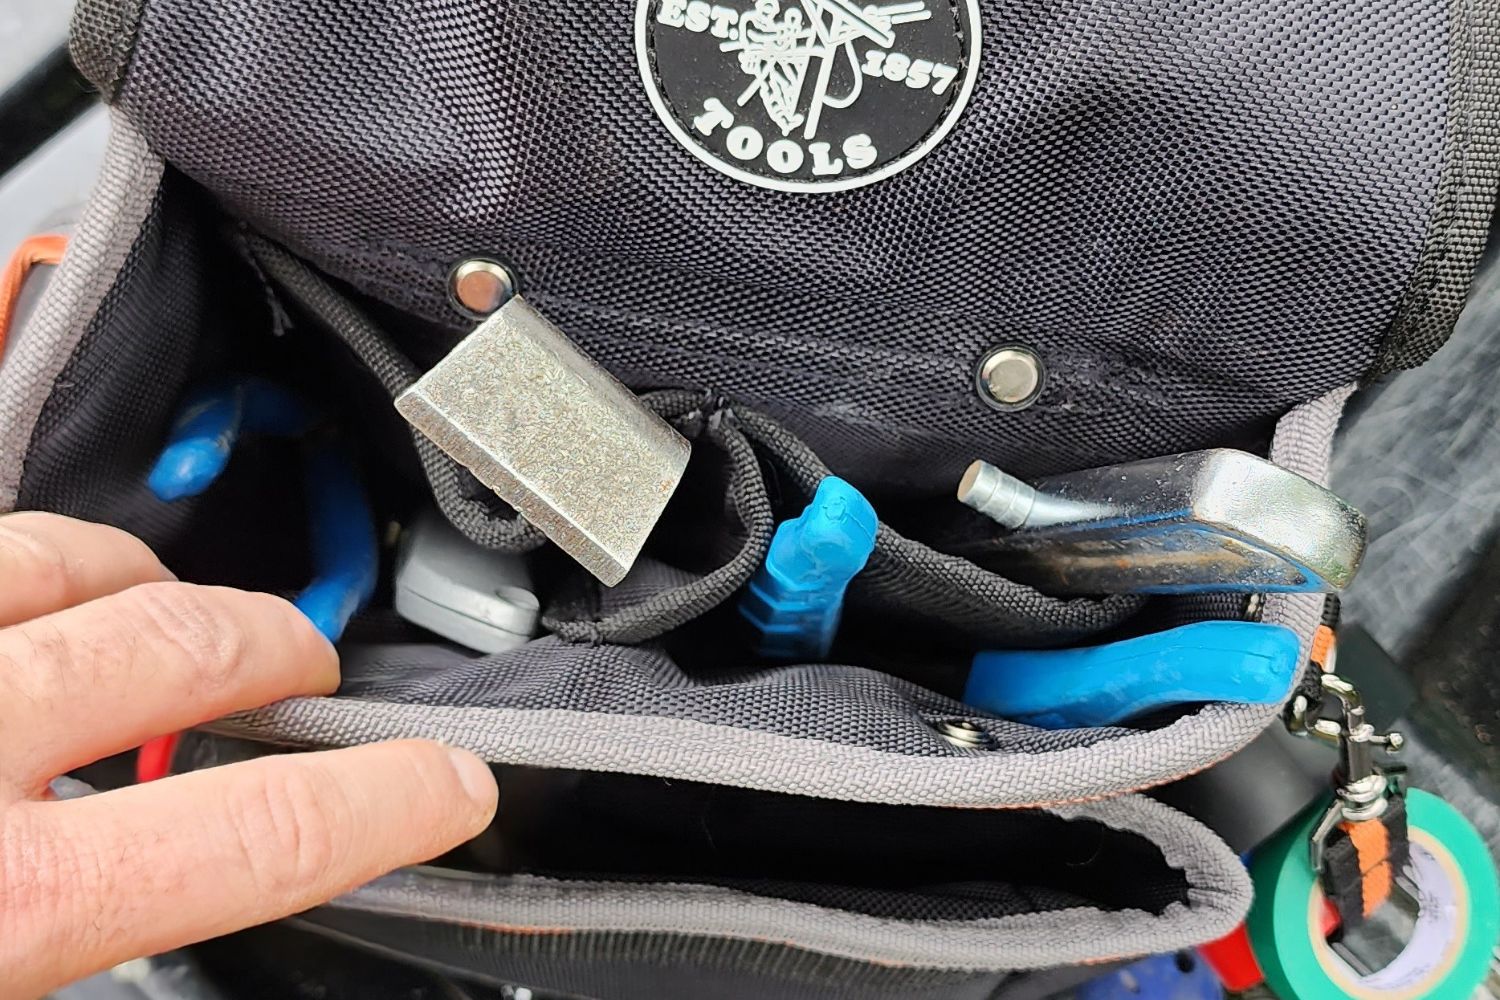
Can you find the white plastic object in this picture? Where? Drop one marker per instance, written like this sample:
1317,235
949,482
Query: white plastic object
467,594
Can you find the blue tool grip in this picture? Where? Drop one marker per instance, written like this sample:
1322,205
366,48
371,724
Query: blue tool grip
796,598
341,528
209,425
199,444
1105,685
1160,977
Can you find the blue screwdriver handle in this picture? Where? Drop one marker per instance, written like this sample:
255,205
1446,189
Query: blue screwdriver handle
1105,685
796,598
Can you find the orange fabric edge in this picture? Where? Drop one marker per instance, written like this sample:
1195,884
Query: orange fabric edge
1321,644
45,248
1372,845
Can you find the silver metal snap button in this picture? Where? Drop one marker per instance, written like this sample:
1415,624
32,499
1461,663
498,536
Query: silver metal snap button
478,286
964,734
1010,377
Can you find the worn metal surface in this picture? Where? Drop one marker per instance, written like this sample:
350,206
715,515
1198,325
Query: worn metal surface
1218,520
554,434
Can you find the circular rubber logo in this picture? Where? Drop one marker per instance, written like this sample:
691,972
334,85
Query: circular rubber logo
808,95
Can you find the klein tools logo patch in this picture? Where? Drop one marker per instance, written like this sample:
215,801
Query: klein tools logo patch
808,95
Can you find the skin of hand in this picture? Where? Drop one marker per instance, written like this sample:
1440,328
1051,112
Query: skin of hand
101,648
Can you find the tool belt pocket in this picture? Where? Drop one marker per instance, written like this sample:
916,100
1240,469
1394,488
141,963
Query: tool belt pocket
675,804
644,705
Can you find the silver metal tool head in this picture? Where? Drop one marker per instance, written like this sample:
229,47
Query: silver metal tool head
1204,521
554,435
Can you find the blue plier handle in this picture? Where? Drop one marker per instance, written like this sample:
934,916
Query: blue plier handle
341,525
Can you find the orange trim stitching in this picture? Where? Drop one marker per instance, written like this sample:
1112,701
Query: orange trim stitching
46,248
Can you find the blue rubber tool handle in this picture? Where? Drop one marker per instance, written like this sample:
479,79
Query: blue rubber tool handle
199,444
1105,685
210,423
1160,977
341,525
796,598
341,529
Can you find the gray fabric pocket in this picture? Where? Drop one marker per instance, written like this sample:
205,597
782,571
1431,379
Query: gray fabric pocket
673,865
413,909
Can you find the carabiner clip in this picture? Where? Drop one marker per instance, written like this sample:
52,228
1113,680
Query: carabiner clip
1363,788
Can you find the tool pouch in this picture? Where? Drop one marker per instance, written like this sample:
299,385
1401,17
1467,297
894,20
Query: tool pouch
1209,222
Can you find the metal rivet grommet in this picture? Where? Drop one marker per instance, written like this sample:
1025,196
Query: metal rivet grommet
478,286
1010,377
964,734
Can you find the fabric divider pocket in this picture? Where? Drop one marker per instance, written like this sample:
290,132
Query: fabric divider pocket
580,853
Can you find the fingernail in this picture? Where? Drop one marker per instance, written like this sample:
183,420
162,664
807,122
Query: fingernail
475,775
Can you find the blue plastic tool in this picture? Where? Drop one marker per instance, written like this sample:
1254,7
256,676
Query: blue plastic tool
210,423
341,529
1161,977
796,598
1105,685
341,526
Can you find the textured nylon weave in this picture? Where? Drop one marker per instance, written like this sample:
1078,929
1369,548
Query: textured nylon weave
1217,892
1199,213
745,754
123,200
508,532
672,603
908,581
828,702
644,966
904,579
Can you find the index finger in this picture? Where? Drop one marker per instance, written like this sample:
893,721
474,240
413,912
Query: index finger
108,675
97,880
49,562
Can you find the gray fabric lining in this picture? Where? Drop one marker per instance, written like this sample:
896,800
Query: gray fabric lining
102,38
115,213
824,703
1218,896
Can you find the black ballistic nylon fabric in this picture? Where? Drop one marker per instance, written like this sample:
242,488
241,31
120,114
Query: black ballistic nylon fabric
165,322
1198,212
903,580
846,705
650,966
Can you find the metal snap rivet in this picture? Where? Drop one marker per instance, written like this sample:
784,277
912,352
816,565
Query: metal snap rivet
1010,377
479,286
965,734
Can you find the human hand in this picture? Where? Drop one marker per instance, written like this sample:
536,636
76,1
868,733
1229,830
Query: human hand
101,649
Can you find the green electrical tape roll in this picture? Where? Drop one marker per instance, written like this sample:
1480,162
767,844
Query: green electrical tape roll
1455,932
